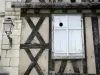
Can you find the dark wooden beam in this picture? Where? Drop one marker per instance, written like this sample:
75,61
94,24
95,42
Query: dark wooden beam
51,62
62,66
43,5
95,29
24,46
27,1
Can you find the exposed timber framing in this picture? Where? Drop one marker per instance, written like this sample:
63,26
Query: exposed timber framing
23,46
43,5
84,60
90,47
27,45
95,29
51,61
62,66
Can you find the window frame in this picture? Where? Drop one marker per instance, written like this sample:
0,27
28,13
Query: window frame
83,40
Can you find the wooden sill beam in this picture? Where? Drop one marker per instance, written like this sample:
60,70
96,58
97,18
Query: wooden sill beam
38,5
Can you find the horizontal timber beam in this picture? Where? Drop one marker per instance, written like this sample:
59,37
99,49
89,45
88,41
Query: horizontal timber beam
30,46
42,5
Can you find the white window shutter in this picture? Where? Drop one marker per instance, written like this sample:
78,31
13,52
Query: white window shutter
75,41
60,38
75,35
67,40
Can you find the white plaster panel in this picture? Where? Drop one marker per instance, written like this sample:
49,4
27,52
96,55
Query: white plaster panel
35,20
43,62
24,62
44,30
34,72
57,66
26,31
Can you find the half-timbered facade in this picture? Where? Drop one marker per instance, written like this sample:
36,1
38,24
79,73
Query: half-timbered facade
51,37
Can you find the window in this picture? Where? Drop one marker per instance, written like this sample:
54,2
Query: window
67,37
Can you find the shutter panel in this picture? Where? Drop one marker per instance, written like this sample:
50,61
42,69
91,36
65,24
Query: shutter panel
60,44
75,41
75,35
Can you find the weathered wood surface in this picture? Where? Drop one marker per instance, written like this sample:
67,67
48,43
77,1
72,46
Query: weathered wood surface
91,66
96,42
43,5
99,41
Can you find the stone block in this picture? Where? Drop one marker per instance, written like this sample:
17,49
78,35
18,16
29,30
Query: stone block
13,53
11,70
15,47
16,32
15,40
19,26
5,47
17,21
3,53
5,40
12,13
14,62
12,9
5,61
13,17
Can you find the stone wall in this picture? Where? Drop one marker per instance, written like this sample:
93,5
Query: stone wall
10,56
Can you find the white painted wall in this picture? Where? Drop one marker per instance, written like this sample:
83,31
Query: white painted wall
2,5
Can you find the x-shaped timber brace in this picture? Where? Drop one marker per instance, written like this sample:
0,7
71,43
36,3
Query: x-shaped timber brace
27,45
